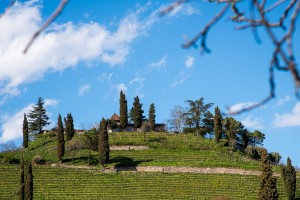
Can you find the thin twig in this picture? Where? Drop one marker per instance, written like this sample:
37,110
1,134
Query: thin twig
54,15
172,7
11,3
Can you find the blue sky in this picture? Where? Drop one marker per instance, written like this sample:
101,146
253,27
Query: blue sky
97,48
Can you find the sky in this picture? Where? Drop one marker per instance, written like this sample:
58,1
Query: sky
95,49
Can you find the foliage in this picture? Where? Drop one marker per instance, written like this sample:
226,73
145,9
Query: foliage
69,123
38,118
208,124
196,110
267,187
103,146
21,190
38,160
91,138
257,138
151,116
111,124
274,157
288,175
217,124
123,110
25,132
136,113
29,183
60,139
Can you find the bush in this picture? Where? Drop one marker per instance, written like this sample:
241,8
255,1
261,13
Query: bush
274,157
38,160
10,159
51,134
189,130
255,152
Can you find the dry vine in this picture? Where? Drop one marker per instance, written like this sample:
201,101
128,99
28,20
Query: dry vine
283,58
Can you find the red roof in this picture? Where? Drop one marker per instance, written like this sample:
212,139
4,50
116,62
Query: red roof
115,117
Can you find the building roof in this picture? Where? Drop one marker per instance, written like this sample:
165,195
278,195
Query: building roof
115,117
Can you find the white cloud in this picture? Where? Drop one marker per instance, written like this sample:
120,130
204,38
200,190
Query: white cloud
189,62
241,106
251,122
60,47
121,87
180,80
105,77
283,100
183,9
84,89
50,102
159,64
139,85
288,119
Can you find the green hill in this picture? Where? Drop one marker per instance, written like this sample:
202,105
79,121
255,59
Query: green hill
76,182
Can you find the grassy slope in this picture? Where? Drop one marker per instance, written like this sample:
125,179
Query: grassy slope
166,150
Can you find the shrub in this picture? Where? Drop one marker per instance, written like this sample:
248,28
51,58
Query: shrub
38,160
274,157
10,159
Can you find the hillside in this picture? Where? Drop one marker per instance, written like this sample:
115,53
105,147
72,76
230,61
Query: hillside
76,180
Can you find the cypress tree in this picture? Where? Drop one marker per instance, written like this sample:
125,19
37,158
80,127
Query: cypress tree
29,183
152,116
288,174
70,131
218,125
25,132
137,113
103,146
267,187
123,111
21,191
60,139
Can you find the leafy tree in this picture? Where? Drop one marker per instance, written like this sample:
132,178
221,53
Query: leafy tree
70,131
111,124
21,191
29,183
152,116
60,139
146,127
288,175
103,146
218,124
123,110
257,138
196,110
38,117
91,140
267,187
177,118
25,132
136,113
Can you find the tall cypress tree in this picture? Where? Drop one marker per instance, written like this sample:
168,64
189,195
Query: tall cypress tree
29,183
38,118
25,132
218,125
288,175
137,113
60,139
21,191
152,116
103,146
70,131
123,111
267,187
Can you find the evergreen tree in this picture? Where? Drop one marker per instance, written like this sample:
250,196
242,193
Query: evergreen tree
267,187
152,116
70,131
207,124
21,191
103,146
288,175
29,183
38,117
136,113
123,111
60,139
218,125
25,132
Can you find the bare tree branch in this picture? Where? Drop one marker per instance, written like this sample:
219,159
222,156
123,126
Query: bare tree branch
54,15
11,3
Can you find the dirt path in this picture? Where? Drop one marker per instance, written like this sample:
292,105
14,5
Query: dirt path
169,169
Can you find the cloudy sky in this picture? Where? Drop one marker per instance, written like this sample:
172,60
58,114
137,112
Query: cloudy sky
95,49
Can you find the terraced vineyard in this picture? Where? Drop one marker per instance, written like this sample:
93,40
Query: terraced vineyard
164,150
63,183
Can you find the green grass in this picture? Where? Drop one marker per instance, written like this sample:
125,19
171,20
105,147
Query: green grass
62,183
